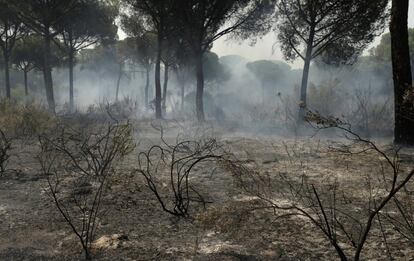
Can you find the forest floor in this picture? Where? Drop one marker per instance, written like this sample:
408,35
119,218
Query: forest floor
232,227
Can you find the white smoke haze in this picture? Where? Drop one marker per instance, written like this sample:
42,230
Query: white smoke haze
239,98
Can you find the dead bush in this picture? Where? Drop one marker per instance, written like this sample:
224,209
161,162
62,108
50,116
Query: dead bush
168,171
78,164
369,115
25,120
119,110
367,111
328,97
288,117
345,220
401,215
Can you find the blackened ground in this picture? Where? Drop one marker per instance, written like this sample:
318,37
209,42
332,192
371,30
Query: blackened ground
32,229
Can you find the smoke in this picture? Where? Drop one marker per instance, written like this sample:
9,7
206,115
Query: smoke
258,96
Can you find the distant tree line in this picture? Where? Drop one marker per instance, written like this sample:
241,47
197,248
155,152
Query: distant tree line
43,34
177,36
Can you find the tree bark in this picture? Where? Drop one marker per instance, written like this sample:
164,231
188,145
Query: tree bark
26,87
305,78
7,74
182,95
147,86
158,111
71,87
118,82
47,71
165,87
403,89
181,81
200,86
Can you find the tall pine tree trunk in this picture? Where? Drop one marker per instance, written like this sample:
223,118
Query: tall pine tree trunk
7,74
47,71
147,83
26,84
181,81
158,111
165,87
305,78
200,86
71,85
182,95
403,89
118,82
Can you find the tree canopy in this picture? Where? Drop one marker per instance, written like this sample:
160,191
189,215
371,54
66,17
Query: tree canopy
86,24
382,51
337,31
203,22
11,30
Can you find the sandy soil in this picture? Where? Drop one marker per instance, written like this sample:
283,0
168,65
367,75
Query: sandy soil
135,227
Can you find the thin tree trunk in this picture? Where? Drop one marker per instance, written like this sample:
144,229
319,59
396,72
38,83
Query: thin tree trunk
165,87
47,72
71,88
147,86
263,93
180,77
158,111
26,84
118,82
7,74
404,108
305,77
182,94
200,86
87,254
